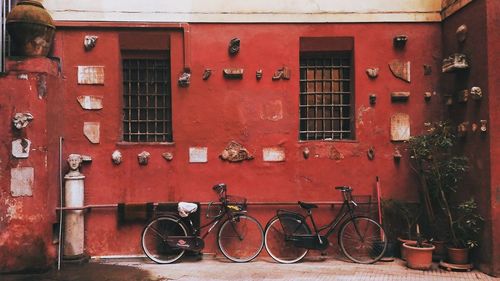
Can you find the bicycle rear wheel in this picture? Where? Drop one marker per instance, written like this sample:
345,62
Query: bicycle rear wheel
241,238
154,239
281,248
362,240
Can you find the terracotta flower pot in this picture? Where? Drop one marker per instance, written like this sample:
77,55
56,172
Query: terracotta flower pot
402,250
440,250
31,29
418,257
458,255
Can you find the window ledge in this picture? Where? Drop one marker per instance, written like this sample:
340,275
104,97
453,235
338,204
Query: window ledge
328,141
126,144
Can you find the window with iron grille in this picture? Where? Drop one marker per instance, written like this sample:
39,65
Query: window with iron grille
147,106
326,96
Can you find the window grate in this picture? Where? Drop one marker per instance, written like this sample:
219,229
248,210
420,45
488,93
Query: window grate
147,107
326,96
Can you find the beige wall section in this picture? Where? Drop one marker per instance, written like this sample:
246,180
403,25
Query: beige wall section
245,10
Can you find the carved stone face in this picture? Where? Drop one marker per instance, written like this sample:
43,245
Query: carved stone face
21,120
89,42
74,161
117,157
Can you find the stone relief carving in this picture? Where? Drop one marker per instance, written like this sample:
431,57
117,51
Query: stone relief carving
399,41
21,119
455,62
484,124
233,73
461,33
373,99
427,96
168,156
258,74
90,41
476,93
372,72
234,46
400,96
371,153
306,152
143,157
462,129
282,73
235,152
90,102
21,148
184,79
401,69
397,154
206,74
116,156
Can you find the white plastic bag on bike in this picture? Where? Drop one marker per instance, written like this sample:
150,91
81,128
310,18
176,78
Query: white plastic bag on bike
186,208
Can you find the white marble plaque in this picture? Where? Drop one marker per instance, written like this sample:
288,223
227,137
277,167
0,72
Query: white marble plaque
400,127
90,102
273,154
21,181
198,154
21,148
92,131
93,75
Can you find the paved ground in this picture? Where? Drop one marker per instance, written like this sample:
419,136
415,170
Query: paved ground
262,269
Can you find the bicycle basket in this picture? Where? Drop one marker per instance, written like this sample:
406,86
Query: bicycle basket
291,222
214,209
236,203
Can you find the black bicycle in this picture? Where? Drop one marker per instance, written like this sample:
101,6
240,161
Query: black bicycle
288,237
240,237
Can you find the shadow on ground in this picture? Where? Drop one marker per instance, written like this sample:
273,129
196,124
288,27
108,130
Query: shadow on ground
88,272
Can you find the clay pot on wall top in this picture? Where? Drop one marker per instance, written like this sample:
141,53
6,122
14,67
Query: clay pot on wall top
31,29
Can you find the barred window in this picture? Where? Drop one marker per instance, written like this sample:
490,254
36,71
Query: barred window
326,96
147,106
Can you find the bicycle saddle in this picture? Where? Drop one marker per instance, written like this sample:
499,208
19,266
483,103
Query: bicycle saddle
307,206
343,188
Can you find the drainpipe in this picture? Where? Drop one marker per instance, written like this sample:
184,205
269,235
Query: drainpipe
74,220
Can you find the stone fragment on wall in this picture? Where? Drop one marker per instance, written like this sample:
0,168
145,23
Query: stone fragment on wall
273,154
400,127
21,181
21,148
90,102
90,75
400,69
198,155
91,130
235,152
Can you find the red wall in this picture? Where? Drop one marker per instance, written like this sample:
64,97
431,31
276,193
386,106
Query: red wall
26,221
482,181
213,112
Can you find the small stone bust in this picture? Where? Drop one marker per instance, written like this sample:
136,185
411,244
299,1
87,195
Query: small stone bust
74,161
116,157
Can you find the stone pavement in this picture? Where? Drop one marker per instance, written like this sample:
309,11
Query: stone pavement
263,268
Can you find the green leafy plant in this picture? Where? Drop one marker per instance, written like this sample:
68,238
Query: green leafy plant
439,171
467,224
399,212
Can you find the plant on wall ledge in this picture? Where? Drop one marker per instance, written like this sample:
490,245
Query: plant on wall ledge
438,170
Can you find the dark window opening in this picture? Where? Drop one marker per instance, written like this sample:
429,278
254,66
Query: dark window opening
147,105
326,96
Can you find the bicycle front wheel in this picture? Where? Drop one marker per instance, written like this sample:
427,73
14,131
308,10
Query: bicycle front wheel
278,245
240,238
154,239
362,240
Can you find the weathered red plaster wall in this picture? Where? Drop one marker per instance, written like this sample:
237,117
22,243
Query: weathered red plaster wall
493,22
26,221
211,113
481,182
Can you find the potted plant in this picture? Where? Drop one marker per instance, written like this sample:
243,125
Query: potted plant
466,229
405,213
418,254
439,172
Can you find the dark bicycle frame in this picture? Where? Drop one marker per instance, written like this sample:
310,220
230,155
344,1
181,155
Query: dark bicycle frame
347,209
